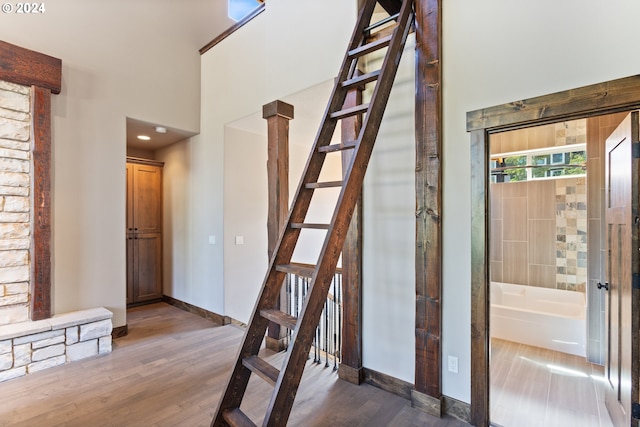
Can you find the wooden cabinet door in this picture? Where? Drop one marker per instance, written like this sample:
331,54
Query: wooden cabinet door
144,232
147,199
147,275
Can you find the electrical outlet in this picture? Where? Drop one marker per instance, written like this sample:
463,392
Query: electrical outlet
453,364
239,240
212,240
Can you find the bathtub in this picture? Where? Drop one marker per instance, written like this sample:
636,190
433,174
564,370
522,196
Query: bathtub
540,317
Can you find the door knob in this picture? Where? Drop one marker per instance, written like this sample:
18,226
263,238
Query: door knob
605,286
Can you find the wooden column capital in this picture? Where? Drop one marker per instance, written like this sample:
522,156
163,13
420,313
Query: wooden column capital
277,108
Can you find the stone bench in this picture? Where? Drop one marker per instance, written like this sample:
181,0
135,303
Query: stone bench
29,347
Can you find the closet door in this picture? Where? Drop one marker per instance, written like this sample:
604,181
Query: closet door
144,232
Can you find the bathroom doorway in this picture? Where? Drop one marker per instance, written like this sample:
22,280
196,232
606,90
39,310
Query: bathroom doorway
546,311
587,102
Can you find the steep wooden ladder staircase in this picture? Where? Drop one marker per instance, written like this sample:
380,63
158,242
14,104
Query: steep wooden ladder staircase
390,33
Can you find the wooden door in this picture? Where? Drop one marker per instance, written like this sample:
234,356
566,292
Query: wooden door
144,232
621,198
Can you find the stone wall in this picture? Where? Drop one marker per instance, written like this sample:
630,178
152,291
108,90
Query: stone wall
27,346
15,182
33,346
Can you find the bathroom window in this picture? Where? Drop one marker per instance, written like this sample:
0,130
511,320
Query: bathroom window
539,164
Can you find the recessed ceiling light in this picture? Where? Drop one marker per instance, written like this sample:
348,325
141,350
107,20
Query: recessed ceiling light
161,129
144,137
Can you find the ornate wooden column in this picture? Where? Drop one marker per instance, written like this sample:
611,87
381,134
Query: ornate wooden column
44,74
427,393
277,114
351,368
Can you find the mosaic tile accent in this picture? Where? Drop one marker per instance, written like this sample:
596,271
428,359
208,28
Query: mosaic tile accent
572,132
571,234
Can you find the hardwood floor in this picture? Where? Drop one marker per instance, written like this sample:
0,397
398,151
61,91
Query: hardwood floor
531,386
170,371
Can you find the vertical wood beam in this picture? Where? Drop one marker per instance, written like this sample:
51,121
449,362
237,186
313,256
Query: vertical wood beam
479,279
41,204
351,368
427,394
277,114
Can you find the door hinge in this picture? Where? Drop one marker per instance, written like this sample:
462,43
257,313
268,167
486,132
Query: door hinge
635,150
635,411
636,281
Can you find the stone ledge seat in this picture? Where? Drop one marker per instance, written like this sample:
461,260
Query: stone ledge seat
60,321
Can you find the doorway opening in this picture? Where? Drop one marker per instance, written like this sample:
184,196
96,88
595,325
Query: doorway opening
616,96
546,310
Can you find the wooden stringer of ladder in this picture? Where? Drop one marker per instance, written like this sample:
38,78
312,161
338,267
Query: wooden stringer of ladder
390,33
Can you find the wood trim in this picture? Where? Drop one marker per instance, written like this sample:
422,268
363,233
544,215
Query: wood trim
232,29
190,308
30,68
141,161
479,279
404,389
456,408
428,178
425,403
41,204
120,331
388,383
602,98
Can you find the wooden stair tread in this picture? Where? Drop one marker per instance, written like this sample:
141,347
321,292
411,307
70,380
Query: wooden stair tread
352,111
237,418
280,317
361,80
303,270
338,147
310,225
262,368
327,184
370,47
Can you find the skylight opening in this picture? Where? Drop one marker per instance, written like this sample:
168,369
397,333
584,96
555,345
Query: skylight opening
239,9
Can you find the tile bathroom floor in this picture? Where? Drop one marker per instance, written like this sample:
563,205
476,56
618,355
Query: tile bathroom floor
532,386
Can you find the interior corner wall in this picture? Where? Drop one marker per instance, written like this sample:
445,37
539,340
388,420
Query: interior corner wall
140,68
494,52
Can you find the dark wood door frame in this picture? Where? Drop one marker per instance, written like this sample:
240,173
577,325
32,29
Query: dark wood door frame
44,74
598,99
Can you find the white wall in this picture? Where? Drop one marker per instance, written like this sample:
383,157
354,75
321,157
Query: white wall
237,80
245,214
138,59
498,51
389,233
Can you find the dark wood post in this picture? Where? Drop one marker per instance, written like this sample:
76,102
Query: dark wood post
277,114
351,368
427,394
44,74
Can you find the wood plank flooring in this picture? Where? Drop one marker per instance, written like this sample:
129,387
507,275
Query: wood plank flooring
170,371
531,386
